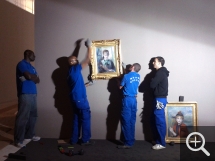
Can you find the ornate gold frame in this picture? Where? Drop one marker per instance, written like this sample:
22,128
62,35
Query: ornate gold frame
189,109
97,48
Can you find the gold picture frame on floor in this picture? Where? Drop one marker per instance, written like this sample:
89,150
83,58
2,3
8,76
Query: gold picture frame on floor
106,59
181,120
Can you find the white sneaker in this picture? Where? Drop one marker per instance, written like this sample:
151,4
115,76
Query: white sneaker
36,138
26,141
158,147
20,145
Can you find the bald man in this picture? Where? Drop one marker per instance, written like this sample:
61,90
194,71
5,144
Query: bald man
78,96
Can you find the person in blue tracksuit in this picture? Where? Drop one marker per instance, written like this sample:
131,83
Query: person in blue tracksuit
78,96
129,86
159,84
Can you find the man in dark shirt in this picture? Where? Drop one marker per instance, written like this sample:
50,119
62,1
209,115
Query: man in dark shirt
159,84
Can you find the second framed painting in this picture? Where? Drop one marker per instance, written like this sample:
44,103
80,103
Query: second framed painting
106,59
181,120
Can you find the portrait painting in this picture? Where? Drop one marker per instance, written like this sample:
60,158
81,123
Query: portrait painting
106,59
181,120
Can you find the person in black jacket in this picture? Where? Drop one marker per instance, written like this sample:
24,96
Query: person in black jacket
159,84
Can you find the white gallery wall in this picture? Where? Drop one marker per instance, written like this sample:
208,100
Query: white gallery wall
180,31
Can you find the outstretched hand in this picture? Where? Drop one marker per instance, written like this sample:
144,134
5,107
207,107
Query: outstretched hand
90,83
123,65
88,43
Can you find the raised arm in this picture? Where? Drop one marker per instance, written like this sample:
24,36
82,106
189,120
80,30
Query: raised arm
86,61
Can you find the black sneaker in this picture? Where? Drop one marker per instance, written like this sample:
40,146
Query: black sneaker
88,143
124,147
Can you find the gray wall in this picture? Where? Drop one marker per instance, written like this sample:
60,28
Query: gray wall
17,35
180,31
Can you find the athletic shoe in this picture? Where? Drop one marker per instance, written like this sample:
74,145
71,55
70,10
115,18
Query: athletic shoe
124,147
20,145
88,143
26,141
158,147
36,138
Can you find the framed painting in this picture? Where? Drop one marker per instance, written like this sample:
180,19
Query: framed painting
106,59
181,120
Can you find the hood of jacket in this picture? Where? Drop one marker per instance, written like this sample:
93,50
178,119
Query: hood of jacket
163,69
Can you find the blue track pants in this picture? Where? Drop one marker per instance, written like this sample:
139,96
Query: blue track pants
128,114
159,121
81,121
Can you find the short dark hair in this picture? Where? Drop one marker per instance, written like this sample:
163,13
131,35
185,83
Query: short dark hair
26,52
137,67
106,51
161,59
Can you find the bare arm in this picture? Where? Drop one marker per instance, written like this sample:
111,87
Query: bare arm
172,131
86,61
32,77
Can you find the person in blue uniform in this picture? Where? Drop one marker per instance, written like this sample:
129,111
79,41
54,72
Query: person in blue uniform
26,80
159,84
78,96
129,86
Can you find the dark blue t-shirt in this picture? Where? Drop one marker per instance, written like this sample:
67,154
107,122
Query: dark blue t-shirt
130,83
27,86
76,83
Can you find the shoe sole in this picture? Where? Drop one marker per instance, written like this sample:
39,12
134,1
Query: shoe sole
159,148
36,139
20,146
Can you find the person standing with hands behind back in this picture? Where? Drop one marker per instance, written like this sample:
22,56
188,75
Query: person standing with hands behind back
159,84
129,85
26,80
78,96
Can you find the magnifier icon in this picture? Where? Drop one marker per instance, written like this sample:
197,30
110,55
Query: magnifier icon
195,141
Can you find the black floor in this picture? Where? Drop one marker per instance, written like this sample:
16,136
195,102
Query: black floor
102,150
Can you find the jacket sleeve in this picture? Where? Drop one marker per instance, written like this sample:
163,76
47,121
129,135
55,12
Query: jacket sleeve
156,80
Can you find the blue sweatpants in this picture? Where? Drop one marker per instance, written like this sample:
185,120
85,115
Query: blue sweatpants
159,121
81,121
128,114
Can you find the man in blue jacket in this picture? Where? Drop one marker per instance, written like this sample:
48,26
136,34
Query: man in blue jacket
129,86
159,84
78,96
